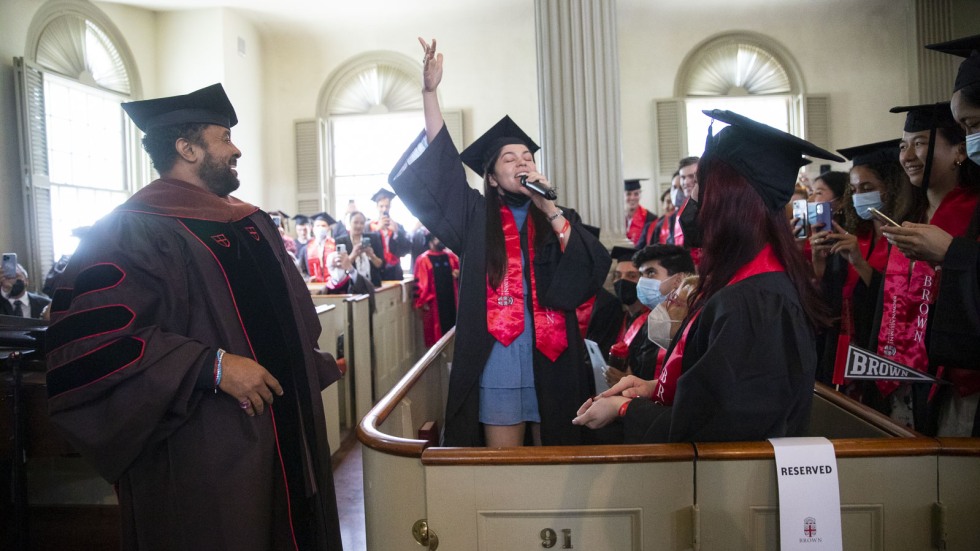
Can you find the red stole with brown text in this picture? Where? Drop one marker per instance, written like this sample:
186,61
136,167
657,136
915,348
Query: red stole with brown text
910,291
505,304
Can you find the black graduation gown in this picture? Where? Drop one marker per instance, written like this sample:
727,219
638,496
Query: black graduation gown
155,288
606,320
378,251
435,190
747,371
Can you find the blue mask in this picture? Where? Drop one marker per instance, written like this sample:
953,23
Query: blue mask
865,201
648,291
973,147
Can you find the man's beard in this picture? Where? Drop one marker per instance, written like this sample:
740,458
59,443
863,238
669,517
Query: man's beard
218,177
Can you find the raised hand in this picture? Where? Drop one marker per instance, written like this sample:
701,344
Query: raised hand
431,66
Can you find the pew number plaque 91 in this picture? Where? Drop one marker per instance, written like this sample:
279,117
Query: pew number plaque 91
582,530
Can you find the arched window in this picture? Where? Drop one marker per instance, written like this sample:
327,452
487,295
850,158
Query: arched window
83,157
743,72
368,111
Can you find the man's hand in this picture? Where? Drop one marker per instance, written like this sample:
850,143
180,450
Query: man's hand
250,384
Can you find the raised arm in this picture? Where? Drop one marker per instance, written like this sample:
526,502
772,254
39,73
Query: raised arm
431,77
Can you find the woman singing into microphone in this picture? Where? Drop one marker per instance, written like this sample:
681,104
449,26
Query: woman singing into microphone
526,264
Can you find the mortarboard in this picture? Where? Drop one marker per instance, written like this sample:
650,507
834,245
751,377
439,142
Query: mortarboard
301,219
968,47
622,254
633,184
872,153
381,194
919,118
208,106
323,216
279,213
768,158
485,148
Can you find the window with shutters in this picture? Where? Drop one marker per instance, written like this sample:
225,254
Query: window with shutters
748,73
81,154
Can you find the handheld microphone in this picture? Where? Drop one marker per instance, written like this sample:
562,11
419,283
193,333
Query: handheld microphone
540,189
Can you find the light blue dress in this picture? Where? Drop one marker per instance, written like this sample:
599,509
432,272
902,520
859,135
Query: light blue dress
507,395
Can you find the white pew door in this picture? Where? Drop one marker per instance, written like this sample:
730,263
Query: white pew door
560,502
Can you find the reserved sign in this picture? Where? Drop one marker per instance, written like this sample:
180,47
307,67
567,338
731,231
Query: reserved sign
809,494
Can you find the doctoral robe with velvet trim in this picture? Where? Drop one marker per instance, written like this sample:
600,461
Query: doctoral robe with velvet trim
434,188
155,288
747,372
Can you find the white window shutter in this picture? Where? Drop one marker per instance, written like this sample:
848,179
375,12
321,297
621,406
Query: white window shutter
670,128
309,166
816,120
454,125
32,127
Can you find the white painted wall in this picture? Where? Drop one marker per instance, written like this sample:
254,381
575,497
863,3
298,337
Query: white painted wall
854,50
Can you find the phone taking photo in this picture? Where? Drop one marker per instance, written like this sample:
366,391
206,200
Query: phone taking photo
880,216
9,265
820,216
799,212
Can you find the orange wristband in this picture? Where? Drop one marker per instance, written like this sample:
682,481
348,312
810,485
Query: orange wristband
622,408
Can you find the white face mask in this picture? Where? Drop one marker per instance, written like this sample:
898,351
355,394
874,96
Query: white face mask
658,326
320,233
973,147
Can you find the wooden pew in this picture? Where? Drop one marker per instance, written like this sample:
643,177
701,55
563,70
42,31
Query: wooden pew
664,496
331,324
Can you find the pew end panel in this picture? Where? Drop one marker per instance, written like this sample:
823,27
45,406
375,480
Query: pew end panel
959,484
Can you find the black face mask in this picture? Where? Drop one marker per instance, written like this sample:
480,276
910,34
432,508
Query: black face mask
514,199
17,288
689,224
440,247
626,291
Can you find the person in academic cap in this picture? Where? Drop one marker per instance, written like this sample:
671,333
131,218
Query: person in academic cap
911,300
955,338
313,257
638,219
281,220
526,265
182,355
625,277
600,318
742,364
393,237
849,259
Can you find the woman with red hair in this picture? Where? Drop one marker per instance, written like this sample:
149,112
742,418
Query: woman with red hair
742,365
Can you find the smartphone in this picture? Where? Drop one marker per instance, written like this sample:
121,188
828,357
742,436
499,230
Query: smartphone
276,220
799,212
819,216
880,216
342,248
10,265
365,242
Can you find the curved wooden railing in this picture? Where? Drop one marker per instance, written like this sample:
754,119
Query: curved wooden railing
899,440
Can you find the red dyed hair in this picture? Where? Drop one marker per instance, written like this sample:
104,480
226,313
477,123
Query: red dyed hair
735,226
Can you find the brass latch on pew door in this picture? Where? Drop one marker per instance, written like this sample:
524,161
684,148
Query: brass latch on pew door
425,537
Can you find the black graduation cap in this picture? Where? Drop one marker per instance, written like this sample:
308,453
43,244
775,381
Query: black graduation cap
208,106
622,254
768,158
872,153
381,194
968,47
279,213
926,116
633,184
323,216
505,132
301,219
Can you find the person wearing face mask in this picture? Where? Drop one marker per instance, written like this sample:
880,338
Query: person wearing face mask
313,257
662,269
18,301
625,280
911,301
437,289
744,358
519,364
853,255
